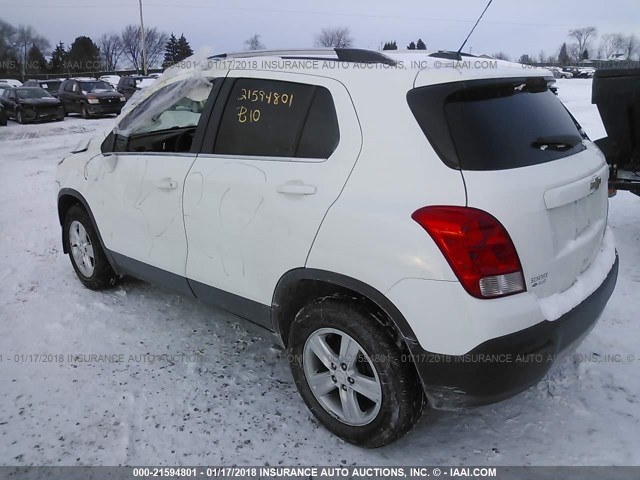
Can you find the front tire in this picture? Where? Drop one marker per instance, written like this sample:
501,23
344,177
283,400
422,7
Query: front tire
351,373
85,112
85,252
20,118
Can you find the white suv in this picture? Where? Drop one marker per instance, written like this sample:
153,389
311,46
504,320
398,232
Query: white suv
413,237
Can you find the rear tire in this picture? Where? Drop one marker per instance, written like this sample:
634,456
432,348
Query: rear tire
85,252
366,390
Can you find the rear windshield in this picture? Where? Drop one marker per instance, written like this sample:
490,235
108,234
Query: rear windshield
51,87
495,125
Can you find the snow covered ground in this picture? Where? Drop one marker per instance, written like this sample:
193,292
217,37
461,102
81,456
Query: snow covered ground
228,397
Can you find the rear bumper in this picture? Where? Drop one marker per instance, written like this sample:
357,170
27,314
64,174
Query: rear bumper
504,366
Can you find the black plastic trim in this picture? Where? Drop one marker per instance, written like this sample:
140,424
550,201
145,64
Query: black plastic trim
367,291
78,196
359,55
151,274
250,310
255,312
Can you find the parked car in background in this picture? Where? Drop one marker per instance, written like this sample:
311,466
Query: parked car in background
586,72
50,86
572,70
31,104
90,97
131,84
112,80
155,75
558,73
3,87
11,81
3,116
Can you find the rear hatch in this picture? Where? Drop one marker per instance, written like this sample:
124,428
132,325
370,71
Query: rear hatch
526,161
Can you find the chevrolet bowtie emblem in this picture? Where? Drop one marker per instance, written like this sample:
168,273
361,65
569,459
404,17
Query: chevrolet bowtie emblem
595,184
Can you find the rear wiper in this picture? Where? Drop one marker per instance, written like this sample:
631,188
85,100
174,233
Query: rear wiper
560,143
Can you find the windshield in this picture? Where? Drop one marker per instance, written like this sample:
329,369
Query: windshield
96,87
32,93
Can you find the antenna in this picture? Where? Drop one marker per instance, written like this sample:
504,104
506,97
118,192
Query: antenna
474,27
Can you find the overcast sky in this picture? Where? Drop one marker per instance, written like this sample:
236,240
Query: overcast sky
512,26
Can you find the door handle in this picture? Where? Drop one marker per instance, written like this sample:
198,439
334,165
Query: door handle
167,183
297,188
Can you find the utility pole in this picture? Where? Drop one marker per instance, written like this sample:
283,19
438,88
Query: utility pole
144,46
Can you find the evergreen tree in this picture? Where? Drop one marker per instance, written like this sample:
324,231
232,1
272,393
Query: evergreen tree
171,52
585,54
83,56
525,59
58,56
563,56
420,45
184,49
390,46
36,62
411,46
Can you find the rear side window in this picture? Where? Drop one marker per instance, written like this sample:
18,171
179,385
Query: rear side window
278,119
495,125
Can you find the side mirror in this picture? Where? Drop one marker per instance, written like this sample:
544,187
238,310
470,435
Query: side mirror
109,143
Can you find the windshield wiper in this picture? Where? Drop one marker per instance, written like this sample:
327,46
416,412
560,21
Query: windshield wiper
559,143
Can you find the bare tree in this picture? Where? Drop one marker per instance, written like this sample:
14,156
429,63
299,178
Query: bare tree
583,37
574,52
25,38
542,57
501,56
111,48
154,40
7,35
336,37
254,43
630,46
610,44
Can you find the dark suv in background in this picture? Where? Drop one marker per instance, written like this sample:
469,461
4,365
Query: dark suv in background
90,97
50,86
127,86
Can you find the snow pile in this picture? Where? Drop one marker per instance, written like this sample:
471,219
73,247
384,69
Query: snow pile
554,306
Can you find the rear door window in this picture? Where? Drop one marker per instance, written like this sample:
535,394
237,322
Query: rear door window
273,118
495,125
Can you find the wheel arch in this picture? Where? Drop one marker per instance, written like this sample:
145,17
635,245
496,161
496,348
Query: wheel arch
300,286
67,198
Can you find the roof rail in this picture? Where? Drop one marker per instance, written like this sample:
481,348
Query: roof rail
353,55
450,55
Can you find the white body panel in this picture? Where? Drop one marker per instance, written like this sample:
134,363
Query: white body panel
137,202
249,219
369,233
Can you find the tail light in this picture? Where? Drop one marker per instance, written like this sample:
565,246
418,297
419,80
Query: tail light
477,247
